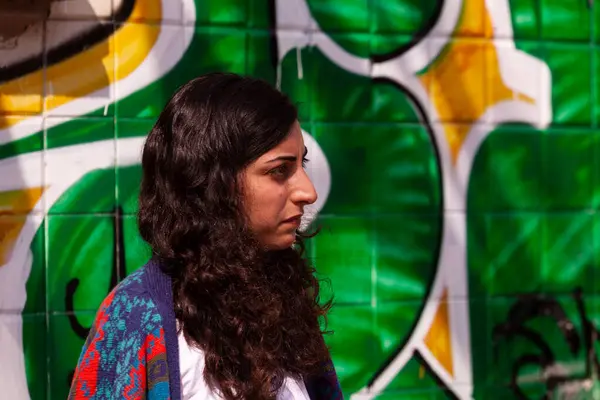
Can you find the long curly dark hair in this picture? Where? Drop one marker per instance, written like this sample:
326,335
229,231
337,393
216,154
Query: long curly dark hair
256,314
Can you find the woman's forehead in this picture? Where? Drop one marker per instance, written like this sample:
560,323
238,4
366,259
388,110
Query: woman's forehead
293,143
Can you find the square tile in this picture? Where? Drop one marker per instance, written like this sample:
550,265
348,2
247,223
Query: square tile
512,247
290,16
395,323
341,16
369,160
22,266
595,82
131,134
518,83
14,266
411,17
21,72
353,345
82,10
120,248
36,279
532,47
480,335
79,72
478,258
224,48
474,21
506,172
556,15
342,88
391,103
176,58
81,261
405,256
23,132
67,343
571,92
569,253
296,70
569,173
126,128
135,252
534,326
453,258
411,182
343,253
63,132
445,342
454,145
349,160
261,56
80,165
233,13
525,20
136,92
21,168
148,12
129,171
35,355
16,18
502,352
456,83
388,45
391,100
259,15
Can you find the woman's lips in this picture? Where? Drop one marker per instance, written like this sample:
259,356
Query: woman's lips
295,220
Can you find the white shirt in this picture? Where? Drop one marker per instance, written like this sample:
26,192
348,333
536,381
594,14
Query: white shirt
193,386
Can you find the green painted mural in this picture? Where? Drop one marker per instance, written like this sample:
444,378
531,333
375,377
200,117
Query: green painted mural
458,150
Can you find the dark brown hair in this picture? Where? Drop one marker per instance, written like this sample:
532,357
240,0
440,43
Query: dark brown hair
255,314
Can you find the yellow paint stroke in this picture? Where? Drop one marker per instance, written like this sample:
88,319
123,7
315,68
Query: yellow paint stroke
9,232
465,80
437,339
84,73
14,205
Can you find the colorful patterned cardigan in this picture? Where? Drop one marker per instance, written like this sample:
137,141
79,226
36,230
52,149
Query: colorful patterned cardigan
132,353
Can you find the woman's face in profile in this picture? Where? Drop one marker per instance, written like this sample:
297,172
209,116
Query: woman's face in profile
276,190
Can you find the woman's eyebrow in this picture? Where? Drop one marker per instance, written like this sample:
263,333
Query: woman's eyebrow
287,157
283,158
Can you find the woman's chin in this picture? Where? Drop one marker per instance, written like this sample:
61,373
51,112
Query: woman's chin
282,242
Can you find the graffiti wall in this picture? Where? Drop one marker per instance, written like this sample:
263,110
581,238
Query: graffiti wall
457,156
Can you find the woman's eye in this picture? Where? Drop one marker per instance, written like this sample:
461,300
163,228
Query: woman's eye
279,171
305,161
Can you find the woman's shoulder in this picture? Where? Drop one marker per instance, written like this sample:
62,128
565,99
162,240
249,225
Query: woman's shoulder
132,286
129,312
128,334
130,298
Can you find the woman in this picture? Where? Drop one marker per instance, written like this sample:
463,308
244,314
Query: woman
227,307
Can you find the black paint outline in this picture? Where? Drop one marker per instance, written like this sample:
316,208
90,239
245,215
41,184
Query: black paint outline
70,48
